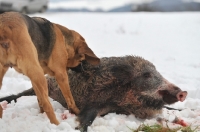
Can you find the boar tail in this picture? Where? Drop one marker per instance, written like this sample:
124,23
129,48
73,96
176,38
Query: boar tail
28,92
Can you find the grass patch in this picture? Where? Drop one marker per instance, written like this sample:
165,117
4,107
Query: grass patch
160,128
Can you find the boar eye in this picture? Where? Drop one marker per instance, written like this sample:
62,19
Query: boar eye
147,75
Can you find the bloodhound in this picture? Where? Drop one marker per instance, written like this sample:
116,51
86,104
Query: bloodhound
35,46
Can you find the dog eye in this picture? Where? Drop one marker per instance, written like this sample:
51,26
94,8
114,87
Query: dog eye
147,75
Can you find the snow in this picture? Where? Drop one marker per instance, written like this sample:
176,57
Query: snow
169,40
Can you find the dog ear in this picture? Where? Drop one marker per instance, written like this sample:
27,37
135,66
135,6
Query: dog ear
89,54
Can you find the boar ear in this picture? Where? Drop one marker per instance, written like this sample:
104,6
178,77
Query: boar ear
123,73
89,54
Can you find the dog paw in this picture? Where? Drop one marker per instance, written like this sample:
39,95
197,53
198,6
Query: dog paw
75,111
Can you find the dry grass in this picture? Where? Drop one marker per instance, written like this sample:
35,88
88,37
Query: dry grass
160,128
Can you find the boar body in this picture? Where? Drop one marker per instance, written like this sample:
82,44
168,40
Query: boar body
124,85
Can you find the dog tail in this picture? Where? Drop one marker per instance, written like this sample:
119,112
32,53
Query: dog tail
29,92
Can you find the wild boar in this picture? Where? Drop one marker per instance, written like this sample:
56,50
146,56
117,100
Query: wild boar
124,85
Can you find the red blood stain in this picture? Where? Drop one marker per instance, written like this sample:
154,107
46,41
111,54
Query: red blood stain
180,122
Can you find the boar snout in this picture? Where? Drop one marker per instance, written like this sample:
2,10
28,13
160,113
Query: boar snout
170,93
170,97
181,96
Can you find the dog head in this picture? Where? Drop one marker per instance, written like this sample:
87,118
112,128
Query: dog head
82,52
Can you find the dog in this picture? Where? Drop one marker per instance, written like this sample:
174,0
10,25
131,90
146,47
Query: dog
35,46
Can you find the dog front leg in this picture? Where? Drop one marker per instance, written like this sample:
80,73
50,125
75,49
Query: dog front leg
1,111
2,73
40,87
63,82
31,68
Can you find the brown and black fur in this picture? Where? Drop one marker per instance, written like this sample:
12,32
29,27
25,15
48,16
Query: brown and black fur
124,85
36,46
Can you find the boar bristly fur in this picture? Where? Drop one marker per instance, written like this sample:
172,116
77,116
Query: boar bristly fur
124,85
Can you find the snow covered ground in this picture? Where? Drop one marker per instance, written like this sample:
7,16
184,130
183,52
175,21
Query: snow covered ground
170,40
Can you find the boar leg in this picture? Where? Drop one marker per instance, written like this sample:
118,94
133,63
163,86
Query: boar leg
86,117
28,92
